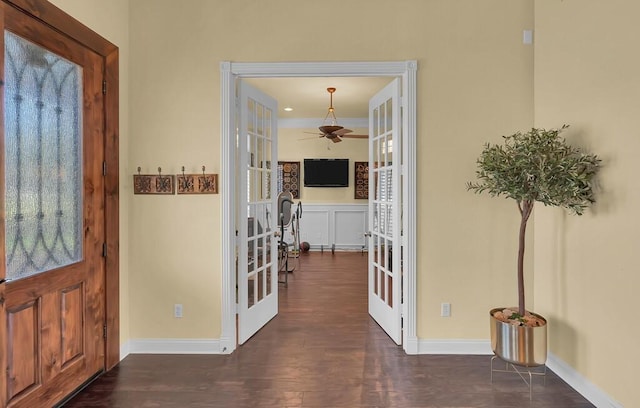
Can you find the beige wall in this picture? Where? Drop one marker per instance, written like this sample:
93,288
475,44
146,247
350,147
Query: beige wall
296,145
111,20
474,84
587,74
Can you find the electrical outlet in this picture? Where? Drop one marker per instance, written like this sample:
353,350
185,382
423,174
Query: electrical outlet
177,310
445,310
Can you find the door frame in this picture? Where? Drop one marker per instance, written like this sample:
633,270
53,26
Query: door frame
229,72
57,19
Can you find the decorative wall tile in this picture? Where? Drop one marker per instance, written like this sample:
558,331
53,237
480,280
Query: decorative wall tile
361,185
290,177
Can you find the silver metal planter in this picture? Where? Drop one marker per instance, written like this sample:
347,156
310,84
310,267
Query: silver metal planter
521,345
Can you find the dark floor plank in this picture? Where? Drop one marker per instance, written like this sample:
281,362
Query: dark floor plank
322,350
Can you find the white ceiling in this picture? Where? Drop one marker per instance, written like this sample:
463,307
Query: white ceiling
310,100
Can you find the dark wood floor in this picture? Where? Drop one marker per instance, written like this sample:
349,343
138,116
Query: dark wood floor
322,350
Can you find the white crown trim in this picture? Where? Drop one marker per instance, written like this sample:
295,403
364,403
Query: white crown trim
313,123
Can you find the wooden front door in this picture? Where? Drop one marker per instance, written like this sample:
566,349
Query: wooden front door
52,304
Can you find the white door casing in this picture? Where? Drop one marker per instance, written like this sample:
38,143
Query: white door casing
257,251
385,199
229,73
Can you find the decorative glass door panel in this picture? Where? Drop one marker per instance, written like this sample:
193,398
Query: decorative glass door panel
43,168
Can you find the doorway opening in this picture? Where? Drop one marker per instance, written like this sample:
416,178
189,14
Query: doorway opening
230,73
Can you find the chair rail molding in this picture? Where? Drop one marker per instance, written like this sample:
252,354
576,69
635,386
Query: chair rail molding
324,226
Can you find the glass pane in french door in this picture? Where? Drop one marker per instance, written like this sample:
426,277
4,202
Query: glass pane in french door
385,279
43,162
259,145
383,210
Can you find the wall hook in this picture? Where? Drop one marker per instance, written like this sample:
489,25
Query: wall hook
197,183
185,183
153,183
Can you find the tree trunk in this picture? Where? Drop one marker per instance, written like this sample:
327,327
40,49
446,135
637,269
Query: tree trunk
527,207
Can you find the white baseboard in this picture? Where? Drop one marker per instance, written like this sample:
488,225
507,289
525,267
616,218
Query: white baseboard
585,387
454,347
411,345
339,248
174,346
124,350
567,373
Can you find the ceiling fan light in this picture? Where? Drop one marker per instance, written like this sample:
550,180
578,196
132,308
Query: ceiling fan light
329,129
331,116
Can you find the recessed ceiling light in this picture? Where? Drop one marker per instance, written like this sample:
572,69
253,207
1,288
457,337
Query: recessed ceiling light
288,109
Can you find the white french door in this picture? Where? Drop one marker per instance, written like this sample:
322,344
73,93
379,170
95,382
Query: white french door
257,294
385,207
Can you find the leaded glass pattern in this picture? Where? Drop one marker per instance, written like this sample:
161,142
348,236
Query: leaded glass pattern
43,159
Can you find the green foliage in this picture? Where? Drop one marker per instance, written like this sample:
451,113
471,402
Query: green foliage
517,316
538,166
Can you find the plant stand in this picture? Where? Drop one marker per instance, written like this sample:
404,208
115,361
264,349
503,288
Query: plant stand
523,372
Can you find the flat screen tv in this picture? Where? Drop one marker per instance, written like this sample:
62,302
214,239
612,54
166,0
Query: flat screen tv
326,172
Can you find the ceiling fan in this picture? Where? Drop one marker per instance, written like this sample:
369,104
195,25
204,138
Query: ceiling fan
330,128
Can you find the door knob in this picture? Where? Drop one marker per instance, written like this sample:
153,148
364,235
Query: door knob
367,234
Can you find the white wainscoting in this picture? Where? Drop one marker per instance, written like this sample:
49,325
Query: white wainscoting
325,225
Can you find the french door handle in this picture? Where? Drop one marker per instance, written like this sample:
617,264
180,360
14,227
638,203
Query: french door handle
367,234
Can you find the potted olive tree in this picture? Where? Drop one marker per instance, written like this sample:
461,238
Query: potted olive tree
527,167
